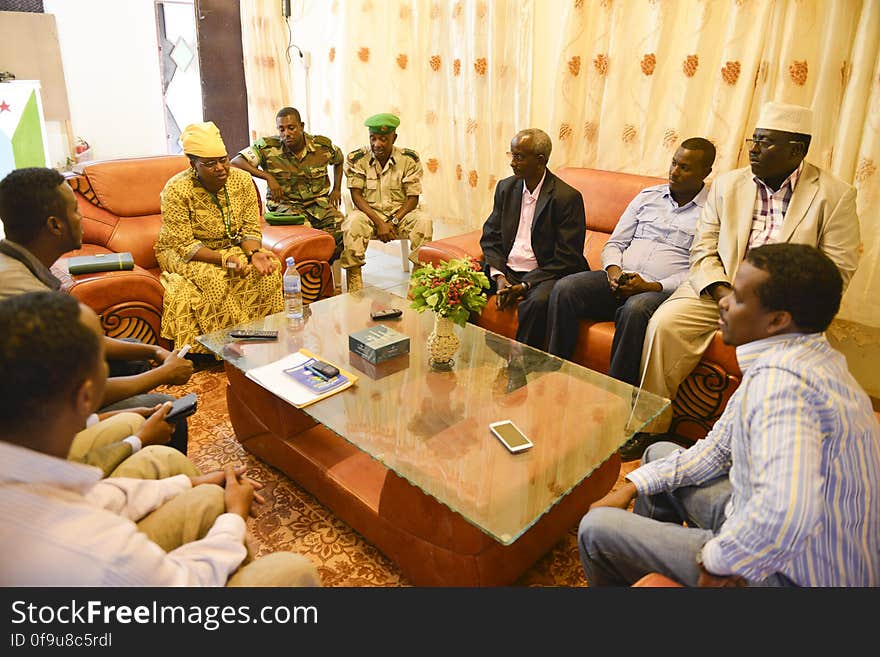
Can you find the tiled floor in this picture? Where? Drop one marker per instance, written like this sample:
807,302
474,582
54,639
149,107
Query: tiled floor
384,268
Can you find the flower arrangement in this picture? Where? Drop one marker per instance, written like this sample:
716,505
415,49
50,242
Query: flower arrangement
455,289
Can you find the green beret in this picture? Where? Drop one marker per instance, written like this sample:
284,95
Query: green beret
382,124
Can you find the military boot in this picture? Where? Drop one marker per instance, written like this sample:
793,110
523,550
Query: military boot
353,279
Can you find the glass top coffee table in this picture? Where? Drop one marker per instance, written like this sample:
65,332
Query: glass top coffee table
431,427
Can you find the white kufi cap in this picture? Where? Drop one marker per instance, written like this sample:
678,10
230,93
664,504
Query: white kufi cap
785,117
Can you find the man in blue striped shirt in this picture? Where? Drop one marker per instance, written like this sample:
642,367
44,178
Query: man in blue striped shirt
785,489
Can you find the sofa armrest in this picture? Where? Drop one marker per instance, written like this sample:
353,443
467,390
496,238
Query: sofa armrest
311,249
703,395
301,242
129,303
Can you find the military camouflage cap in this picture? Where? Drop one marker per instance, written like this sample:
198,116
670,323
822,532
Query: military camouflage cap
382,124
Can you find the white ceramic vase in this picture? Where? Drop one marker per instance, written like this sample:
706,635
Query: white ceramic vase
442,343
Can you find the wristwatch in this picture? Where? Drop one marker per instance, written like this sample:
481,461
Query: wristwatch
393,219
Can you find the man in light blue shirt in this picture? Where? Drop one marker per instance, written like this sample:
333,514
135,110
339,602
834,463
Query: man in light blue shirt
785,488
644,261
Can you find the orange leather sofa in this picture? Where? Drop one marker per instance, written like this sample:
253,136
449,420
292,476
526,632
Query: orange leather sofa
120,206
702,397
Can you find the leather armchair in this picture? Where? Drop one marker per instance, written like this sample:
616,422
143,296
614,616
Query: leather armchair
120,206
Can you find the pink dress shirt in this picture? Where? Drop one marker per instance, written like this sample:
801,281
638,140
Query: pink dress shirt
521,257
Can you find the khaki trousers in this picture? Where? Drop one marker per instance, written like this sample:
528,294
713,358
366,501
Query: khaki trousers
678,334
358,230
189,516
103,433
151,462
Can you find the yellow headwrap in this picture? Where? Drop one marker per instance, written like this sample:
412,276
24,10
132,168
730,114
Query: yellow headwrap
202,140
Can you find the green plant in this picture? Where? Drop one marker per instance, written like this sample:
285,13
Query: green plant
454,289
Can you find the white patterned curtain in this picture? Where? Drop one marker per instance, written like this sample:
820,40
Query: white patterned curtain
456,73
267,68
637,77
628,78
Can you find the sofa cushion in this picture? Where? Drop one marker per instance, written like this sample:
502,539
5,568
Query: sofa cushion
606,193
457,246
593,347
131,187
137,235
593,244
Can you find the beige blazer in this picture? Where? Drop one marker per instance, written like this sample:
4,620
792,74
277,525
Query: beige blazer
821,213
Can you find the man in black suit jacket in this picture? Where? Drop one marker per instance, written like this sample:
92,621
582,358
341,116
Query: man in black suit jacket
534,236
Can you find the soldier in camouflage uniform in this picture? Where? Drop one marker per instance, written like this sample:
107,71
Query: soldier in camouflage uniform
385,183
294,165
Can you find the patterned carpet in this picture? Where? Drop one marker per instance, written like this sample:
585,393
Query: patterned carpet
292,519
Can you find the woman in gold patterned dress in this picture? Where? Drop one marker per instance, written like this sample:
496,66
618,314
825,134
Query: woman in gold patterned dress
214,270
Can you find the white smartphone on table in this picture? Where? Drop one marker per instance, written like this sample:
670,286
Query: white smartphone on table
510,436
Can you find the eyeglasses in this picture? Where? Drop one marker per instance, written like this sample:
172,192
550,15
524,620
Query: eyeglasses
516,157
212,164
765,144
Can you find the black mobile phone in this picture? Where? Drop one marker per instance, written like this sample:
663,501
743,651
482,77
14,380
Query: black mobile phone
242,334
326,370
182,407
388,313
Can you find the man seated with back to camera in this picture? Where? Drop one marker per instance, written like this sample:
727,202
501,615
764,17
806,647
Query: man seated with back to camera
61,524
785,488
42,222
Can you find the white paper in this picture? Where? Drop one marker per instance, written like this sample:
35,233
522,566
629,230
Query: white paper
273,378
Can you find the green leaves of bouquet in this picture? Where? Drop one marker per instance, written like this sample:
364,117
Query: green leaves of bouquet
454,289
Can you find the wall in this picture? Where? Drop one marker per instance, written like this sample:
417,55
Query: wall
111,64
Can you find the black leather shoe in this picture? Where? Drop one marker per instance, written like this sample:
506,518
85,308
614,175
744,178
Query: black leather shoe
633,448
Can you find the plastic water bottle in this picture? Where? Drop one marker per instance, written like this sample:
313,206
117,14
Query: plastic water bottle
293,301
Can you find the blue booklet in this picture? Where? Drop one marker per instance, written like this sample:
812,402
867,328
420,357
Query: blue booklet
313,380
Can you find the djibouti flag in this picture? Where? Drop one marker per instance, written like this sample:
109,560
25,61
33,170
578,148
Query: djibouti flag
22,137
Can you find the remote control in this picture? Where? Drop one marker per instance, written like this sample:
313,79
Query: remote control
390,313
254,335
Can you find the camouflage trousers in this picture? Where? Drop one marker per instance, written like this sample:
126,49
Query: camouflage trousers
358,230
330,223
